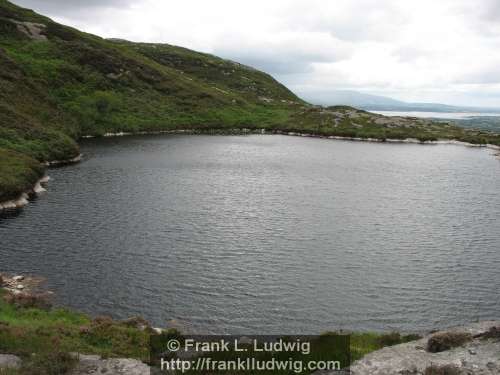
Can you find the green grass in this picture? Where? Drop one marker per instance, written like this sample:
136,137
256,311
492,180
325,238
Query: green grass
24,331
32,330
52,333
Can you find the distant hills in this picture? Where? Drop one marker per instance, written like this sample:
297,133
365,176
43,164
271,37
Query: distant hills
382,103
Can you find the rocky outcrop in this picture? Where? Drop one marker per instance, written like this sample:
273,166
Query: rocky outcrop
89,364
470,350
93,364
8,361
32,30
18,283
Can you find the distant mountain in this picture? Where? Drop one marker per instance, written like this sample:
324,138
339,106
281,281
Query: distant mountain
382,103
351,98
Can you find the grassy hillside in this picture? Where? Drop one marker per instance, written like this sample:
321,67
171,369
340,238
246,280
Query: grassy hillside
57,84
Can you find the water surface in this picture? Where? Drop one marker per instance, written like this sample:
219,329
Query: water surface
268,234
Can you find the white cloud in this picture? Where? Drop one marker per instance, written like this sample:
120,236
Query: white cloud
419,50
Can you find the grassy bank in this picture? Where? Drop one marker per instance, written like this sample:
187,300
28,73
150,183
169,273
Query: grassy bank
43,337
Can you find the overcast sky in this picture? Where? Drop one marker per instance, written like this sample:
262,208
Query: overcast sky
444,51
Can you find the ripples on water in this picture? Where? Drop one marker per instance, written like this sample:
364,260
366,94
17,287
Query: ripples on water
268,234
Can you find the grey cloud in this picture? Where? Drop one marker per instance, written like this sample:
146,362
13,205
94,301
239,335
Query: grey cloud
409,53
65,7
362,20
273,66
486,77
491,11
284,59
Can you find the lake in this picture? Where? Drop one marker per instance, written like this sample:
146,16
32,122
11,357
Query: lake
268,234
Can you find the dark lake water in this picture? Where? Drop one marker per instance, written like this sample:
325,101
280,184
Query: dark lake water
268,234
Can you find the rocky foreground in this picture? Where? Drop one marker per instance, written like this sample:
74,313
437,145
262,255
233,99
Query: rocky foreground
469,350
89,364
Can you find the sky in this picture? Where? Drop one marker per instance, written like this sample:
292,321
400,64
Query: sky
445,51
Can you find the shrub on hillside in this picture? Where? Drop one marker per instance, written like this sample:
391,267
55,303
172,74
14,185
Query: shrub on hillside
443,341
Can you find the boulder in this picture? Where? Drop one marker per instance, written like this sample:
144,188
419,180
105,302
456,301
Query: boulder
136,322
9,361
92,364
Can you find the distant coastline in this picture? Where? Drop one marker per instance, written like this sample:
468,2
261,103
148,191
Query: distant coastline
436,115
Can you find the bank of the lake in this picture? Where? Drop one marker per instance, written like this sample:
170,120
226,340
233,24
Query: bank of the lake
36,338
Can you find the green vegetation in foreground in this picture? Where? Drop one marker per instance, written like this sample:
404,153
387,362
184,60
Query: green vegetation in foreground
51,334
57,84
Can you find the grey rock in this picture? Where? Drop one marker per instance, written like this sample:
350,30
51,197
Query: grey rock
33,30
9,361
480,356
92,364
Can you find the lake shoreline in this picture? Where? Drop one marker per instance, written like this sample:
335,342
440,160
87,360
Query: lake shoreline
23,199
60,163
38,187
246,131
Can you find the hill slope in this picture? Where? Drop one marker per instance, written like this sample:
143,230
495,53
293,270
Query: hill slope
57,84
